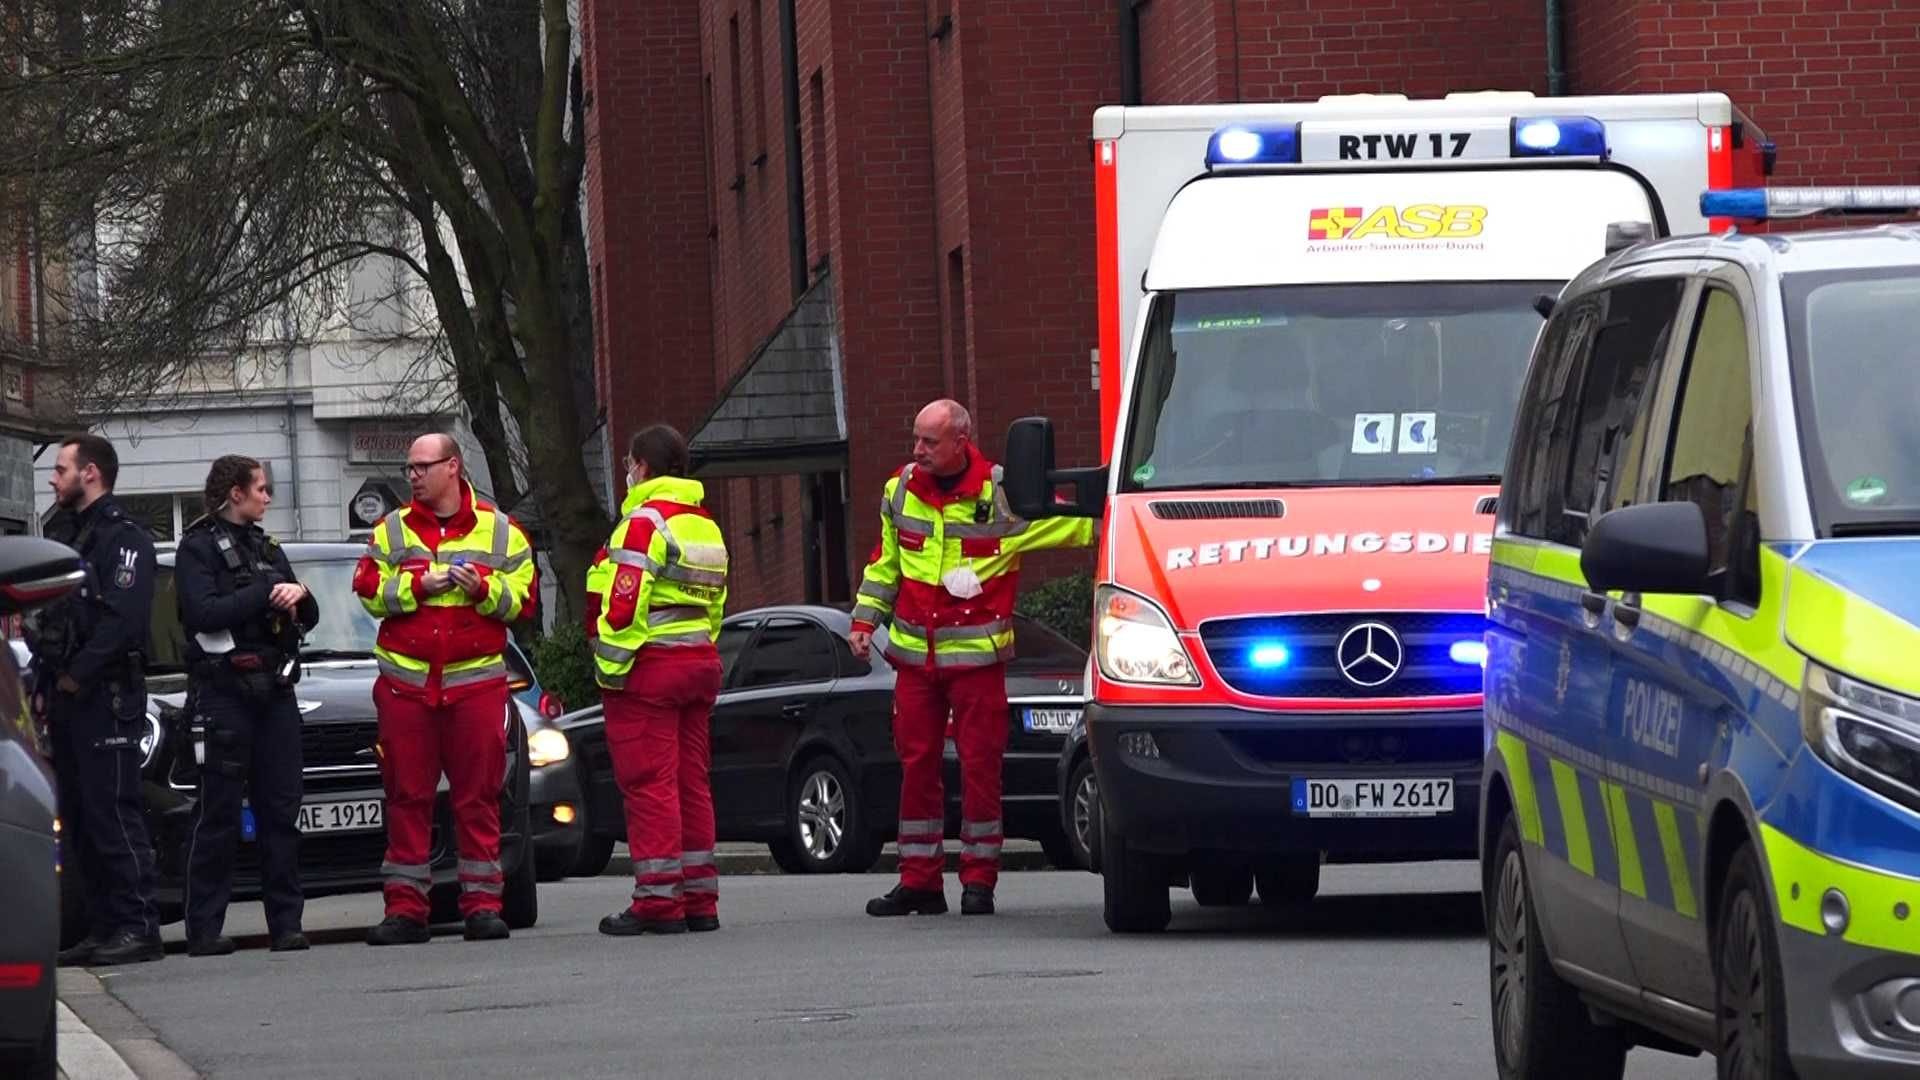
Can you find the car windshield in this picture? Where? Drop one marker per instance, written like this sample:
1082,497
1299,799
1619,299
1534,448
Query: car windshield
1036,645
1329,384
1857,378
345,631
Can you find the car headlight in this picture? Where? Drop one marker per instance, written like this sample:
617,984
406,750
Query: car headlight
150,741
1134,641
1865,732
546,746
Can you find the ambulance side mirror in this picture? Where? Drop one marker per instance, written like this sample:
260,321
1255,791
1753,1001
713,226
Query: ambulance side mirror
1031,479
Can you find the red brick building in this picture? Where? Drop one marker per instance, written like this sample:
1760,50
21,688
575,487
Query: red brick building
809,217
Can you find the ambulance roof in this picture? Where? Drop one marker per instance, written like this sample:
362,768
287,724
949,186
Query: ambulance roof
1710,109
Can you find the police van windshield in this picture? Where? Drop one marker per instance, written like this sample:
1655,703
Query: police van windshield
345,631
1396,383
1857,380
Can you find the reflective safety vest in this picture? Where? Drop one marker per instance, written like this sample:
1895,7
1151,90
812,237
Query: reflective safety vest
926,534
661,580
447,646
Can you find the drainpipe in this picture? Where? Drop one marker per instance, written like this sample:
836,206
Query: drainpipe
292,484
796,194
1129,52
1556,49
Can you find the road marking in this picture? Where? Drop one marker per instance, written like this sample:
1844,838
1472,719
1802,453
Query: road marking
84,1054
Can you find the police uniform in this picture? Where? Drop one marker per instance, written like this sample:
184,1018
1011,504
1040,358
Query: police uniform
97,637
243,659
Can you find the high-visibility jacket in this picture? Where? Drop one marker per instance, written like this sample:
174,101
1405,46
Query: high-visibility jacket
445,647
927,531
660,581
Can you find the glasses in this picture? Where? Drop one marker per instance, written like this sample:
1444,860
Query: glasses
419,468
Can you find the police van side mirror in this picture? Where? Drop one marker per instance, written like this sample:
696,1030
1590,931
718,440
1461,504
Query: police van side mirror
35,572
1031,479
1653,548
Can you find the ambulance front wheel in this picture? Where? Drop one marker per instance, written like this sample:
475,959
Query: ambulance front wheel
1136,885
1540,1026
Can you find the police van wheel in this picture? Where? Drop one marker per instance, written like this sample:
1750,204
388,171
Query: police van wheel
1222,885
1540,1025
1749,1003
1135,886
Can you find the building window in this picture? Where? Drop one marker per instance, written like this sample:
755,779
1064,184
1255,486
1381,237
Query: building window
166,516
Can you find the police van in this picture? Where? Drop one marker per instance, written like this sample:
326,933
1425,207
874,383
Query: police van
1700,809
1314,321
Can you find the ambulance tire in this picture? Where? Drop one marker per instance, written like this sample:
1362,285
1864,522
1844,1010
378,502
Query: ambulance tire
1746,954
1135,884
1288,880
1540,1025
1222,885
590,859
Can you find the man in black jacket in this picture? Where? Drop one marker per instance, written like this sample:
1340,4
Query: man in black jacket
244,614
90,682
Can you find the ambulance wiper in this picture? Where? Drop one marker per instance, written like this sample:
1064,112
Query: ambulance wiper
1469,478
1893,527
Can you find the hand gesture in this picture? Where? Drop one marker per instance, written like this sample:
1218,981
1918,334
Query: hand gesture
287,596
435,582
469,579
861,641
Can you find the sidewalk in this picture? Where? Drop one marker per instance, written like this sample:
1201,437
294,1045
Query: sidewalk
101,1040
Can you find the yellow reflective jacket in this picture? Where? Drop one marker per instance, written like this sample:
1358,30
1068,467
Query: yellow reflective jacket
927,533
660,581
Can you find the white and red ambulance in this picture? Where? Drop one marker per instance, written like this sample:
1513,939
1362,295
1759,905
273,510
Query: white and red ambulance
1314,323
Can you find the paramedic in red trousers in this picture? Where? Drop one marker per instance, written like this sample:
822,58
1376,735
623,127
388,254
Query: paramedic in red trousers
446,576
944,576
654,600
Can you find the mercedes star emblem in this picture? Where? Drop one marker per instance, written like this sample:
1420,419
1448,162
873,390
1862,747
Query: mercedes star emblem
1369,654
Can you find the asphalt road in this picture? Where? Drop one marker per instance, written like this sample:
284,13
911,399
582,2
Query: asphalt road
1384,977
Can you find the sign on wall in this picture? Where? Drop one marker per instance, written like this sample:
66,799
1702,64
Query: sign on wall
380,442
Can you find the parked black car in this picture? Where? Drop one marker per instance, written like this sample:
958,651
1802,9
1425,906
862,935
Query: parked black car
803,754
1080,798
32,572
344,835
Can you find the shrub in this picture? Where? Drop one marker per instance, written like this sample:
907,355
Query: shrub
564,665
1065,605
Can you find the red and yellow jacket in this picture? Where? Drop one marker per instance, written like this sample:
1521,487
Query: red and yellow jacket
925,532
661,581
446,647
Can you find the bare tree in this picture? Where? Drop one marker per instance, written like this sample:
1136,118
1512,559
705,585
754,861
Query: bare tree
224,165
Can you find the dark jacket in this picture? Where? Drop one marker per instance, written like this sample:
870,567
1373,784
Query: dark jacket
216,596
110,613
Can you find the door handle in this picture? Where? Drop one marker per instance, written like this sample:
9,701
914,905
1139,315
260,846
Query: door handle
1595,603
796,708
1626,615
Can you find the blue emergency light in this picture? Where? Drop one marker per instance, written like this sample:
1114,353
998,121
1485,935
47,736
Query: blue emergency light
1559,136
1469,651
1277,144
1760,204
1269,655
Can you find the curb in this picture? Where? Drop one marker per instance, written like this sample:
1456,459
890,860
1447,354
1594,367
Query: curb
124,1034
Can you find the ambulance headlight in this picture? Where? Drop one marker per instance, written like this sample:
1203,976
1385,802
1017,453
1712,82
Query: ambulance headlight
1867,733
1134,642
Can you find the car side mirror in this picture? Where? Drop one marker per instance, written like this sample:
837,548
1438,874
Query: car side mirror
1030,477
35,572
1653,548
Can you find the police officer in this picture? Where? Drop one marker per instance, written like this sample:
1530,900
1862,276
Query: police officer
244,614
90,683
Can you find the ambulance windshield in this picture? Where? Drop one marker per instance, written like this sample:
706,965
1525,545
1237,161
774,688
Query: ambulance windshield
1851,337
1394,383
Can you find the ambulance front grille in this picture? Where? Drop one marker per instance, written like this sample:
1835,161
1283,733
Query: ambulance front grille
1216,509
1297,656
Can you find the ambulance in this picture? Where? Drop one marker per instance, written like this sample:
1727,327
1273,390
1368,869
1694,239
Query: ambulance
1314,323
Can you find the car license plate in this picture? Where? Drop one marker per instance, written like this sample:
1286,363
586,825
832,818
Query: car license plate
1372,798
1052,721
356,815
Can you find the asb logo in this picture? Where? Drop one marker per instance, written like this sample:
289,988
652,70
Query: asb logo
1420,221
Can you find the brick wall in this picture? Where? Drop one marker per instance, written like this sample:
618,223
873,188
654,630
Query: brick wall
1836,83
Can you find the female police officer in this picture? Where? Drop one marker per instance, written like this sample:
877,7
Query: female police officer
243,613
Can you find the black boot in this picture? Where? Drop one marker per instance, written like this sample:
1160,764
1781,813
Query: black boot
395,930
128,947
627,924
905,901
486,926
976,900
703,924
291,941
218,945
80,953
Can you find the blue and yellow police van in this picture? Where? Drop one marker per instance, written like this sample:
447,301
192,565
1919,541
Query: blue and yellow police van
1700,811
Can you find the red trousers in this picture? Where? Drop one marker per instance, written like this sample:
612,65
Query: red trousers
657,733
976,697
467,739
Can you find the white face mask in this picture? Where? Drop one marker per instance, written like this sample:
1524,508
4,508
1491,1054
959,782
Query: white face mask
962,582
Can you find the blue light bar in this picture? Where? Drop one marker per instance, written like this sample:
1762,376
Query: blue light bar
1471,651
1254,145
1269,654
1559,136
1759,204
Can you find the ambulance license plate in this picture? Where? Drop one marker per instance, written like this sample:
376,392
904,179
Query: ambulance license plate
1372,798
354,815
1052,721
1469,140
